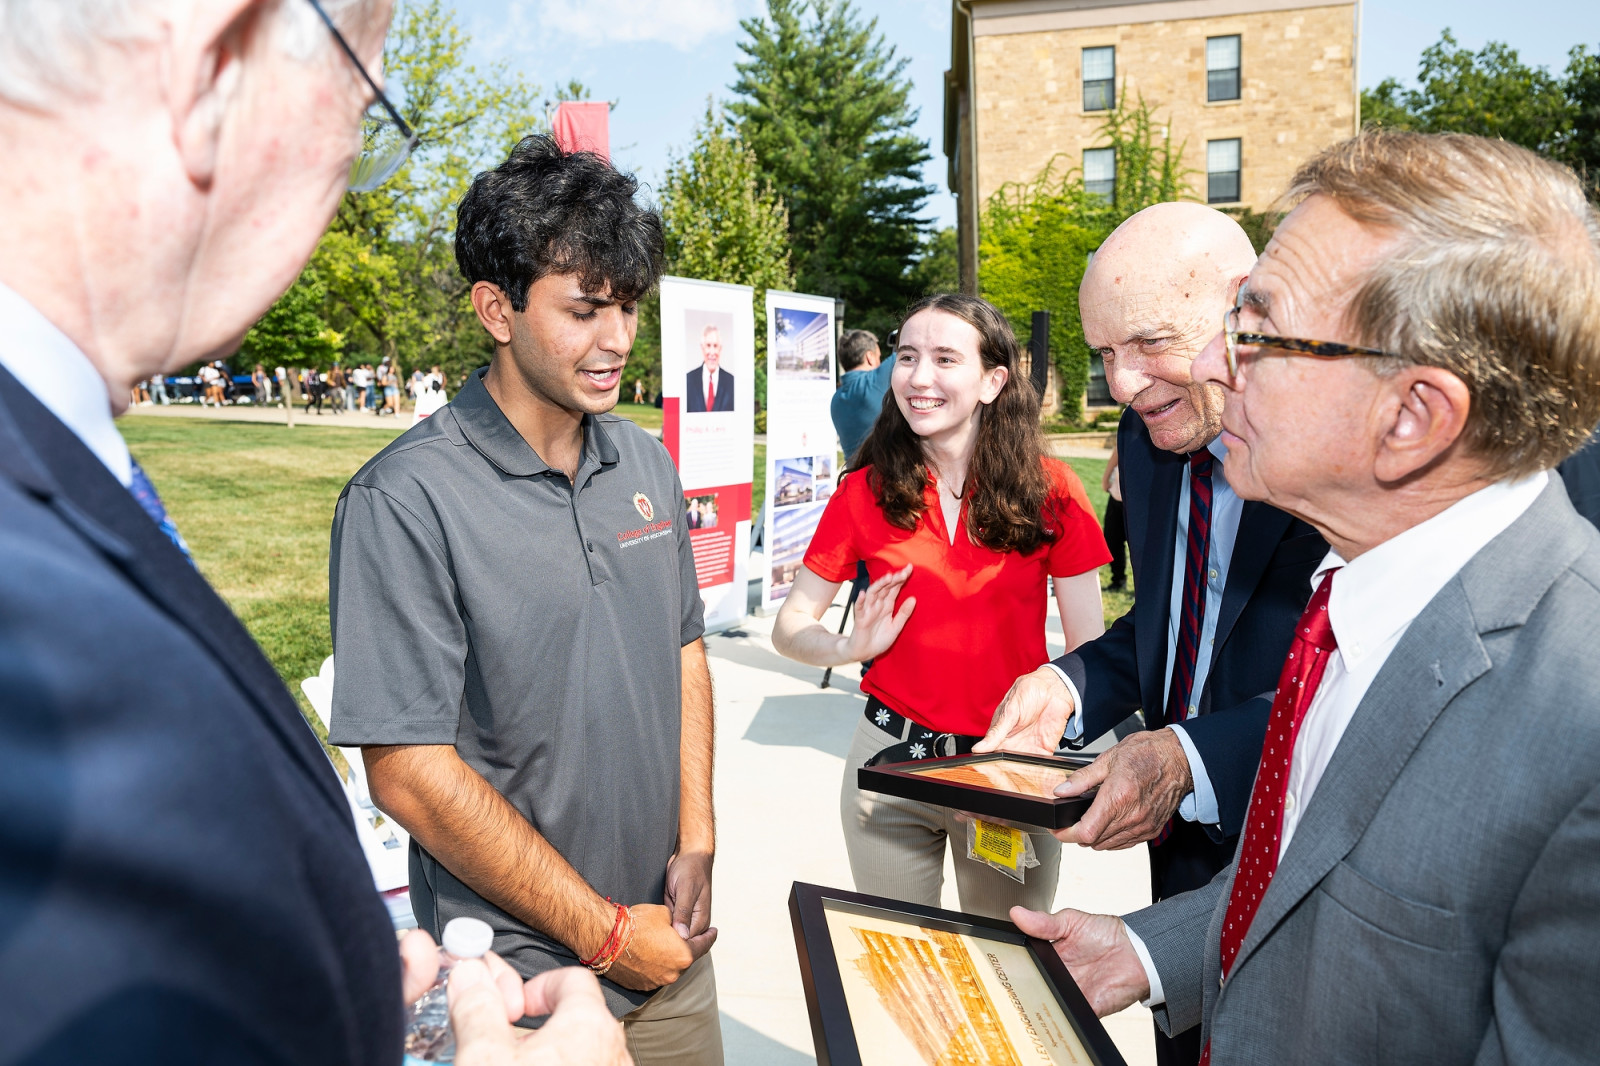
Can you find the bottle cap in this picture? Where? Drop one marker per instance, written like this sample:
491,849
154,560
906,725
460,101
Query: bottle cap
467,938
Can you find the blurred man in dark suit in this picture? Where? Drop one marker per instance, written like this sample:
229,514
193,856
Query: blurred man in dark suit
181,875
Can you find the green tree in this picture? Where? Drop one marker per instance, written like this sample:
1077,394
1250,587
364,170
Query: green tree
1036,237
824,103
388,258
293,331
938,268
724,222
1582,146
1491,93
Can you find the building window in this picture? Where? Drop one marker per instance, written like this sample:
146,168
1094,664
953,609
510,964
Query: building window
1099,79
1099,391
1222,171
1100,171
1222,68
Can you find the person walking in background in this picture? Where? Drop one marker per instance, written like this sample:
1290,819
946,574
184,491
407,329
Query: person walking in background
389,378
141,395
263,388
313,387
158,390
962,522
858,400
1114,527
638,390
429,402
334,384
361,380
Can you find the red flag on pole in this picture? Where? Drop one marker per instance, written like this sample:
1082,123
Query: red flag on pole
584,127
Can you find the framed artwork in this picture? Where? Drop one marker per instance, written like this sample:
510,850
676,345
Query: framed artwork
895,984
1000,785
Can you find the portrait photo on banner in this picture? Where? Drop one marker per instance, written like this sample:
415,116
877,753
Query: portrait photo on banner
720,368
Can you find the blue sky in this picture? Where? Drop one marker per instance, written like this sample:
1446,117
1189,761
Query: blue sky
662,59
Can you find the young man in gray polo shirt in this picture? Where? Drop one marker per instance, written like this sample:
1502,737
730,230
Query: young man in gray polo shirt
517,624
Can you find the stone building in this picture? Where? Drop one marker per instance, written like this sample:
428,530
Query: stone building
1250,88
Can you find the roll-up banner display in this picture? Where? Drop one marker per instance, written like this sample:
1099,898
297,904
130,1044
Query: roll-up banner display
708,425
802,448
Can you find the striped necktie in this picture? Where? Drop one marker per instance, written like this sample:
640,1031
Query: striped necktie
1192,607
1313,645
145,493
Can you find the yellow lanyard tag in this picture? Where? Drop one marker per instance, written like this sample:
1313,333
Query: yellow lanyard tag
999,844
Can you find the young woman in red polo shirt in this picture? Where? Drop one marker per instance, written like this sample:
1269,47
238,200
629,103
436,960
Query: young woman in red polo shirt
960,519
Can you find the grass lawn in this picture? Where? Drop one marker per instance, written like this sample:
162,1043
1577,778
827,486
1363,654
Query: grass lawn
255,502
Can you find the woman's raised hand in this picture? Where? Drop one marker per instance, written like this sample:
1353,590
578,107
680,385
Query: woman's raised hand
878,623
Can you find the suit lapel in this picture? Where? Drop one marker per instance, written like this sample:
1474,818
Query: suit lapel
1440,654
1152,613
1260,529
84,493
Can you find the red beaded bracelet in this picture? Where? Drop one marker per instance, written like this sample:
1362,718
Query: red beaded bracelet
609,947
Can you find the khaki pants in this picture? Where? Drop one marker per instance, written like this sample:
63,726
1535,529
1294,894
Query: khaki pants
897,847
680,1023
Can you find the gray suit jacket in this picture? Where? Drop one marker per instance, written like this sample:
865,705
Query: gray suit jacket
1440,900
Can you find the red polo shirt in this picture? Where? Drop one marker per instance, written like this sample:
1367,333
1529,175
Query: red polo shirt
980,615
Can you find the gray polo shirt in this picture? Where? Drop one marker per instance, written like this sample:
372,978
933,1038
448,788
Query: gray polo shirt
479,599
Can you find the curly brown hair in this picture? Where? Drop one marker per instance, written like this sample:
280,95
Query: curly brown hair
1005,509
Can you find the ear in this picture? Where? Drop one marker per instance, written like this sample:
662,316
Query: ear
205,69
993,381
1428,415
494,310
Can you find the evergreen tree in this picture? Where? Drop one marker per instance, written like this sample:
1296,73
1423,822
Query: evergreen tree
824,103
723,222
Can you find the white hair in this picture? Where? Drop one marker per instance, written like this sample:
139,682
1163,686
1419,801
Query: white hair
47,47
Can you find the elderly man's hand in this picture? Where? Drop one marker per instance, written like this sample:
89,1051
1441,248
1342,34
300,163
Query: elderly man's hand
1097,952
1032,716
580,1029
1141,780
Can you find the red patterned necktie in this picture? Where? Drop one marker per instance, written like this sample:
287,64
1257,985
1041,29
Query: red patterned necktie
1192,607
1258,851
711,392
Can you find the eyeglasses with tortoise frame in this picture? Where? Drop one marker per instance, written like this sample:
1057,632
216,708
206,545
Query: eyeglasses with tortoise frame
1320,349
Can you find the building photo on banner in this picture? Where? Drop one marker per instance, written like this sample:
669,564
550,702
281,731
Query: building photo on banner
708,427
801,443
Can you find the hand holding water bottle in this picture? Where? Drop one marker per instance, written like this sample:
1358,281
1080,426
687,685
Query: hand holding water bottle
485,996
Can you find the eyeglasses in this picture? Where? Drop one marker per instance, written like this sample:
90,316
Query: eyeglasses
384,149
1320,349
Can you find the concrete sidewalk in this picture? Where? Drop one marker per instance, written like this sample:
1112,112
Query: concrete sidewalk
781,745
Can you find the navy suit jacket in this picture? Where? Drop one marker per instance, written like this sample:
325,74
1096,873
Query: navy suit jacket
695,396
180,880
1124,669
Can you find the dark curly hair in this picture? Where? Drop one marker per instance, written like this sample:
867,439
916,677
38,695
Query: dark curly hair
1005,509
545,211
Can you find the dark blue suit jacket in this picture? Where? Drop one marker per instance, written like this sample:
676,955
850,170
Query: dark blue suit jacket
695,397
180,880
1124,669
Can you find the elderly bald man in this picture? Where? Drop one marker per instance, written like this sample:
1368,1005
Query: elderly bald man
1218,582
181,873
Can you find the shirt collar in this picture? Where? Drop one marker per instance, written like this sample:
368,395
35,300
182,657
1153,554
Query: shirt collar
1381,592
60,376
492,433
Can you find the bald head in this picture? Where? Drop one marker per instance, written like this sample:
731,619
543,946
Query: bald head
1151,299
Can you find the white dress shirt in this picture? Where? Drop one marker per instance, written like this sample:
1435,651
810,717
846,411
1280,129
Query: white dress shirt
61,377
1226,508
1374,600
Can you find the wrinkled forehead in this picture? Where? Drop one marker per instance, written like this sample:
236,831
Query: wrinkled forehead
1314,265
1119,306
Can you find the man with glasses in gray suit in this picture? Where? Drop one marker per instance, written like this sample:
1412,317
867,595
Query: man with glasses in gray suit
1419,875
179,865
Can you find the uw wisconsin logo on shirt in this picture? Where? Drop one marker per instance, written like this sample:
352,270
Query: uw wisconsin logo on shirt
641,503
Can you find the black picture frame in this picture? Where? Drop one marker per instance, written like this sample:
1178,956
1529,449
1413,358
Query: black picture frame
909,780
833,1033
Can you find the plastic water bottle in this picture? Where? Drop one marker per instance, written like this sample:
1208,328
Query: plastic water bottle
428,1035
